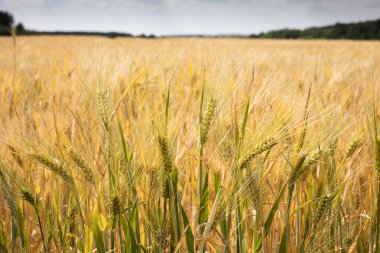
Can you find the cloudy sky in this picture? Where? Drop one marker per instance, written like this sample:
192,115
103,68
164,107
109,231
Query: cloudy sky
165,17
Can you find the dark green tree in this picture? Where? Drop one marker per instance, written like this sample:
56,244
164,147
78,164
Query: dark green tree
20,28
6,19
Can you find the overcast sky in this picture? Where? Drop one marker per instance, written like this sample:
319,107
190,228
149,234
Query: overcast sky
165,17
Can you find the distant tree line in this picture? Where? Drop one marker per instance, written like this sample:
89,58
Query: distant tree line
7,22
369,30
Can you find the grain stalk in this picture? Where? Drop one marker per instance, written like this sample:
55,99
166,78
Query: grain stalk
57,167
295,173
376,143
205,120
17,219
33,201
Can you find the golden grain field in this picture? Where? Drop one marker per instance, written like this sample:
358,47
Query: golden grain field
188,145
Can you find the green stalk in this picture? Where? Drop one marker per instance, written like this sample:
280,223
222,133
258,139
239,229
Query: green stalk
17,219
228,221
120,236
41,231
241,134
298,215
200,164
200,168
293,177
244,123
110,182
378,217
238,229
285,235
377,163
200,173
76,197
127,158
112,240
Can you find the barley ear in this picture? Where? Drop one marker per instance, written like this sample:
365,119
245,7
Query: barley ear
52,165
81,164
28,197
267,144
323,205
209,117
167,165
354,145
102,105
166,158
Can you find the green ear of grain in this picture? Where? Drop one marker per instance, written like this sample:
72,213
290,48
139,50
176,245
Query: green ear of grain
354,145
269,220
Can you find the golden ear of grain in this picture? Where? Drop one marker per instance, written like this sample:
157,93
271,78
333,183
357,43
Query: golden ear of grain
83,167
258,149
254,188
296,171
209,117
102,105
16,155
72,214
323,205
311,159
52,165
354,145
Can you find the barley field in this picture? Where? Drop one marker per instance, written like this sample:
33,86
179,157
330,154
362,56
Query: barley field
188,145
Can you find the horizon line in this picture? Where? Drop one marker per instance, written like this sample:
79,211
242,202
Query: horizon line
143,34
